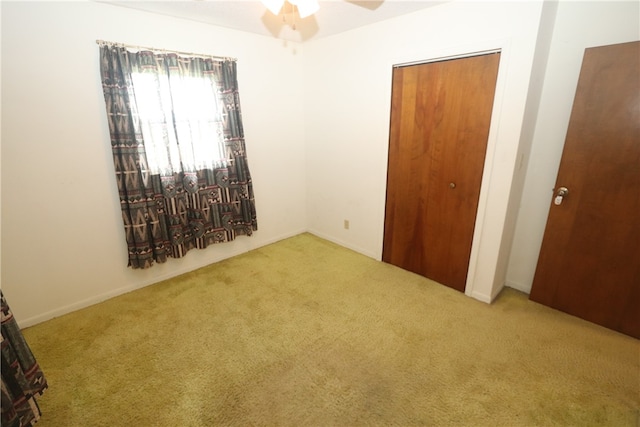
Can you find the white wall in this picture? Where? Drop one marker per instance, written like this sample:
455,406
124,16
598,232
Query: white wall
62,237
348,90
578,25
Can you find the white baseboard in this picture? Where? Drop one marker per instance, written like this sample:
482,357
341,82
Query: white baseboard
34,320
344,244
480,297
25,323
519,287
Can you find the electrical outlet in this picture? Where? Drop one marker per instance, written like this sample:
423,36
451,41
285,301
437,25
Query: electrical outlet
346,224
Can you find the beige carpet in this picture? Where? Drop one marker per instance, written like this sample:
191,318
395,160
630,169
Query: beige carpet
306,333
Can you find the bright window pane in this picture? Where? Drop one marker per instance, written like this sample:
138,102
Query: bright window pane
180,122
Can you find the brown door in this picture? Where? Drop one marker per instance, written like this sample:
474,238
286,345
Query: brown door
440,117
589,263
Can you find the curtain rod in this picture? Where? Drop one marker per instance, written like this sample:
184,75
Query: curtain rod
153,49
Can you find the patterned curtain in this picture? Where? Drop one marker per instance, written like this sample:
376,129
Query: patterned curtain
22,379
172,199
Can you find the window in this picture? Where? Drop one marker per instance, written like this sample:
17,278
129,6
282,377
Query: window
181,122
179,153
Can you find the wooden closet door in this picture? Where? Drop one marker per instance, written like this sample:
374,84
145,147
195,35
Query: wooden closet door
440,118
589,264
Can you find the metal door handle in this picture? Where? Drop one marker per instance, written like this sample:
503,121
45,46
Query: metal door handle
560,195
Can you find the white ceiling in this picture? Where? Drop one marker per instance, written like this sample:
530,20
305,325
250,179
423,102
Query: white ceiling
333,17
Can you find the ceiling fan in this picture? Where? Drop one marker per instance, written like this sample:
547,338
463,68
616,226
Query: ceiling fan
309,7
305,7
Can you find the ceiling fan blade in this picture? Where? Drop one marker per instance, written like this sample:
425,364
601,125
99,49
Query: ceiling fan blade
307,7
367,4
273,5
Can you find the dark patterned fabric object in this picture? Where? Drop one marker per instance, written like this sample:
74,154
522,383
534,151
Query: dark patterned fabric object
172,208
22,379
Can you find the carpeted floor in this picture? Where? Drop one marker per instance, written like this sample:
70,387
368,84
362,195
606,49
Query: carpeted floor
306,333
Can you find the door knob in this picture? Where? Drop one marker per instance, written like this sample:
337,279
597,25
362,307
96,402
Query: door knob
560,195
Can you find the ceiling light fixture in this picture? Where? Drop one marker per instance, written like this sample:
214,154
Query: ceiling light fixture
305,7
